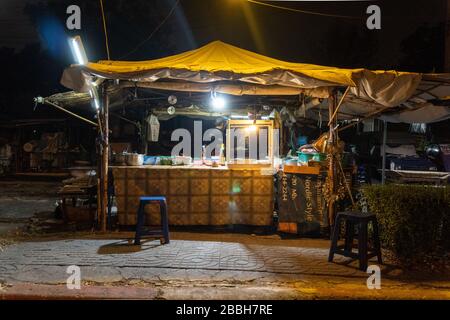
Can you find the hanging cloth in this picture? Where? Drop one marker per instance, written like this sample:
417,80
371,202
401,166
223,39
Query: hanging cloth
152,128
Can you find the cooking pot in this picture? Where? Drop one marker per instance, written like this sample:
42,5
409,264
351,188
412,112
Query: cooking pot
135,159
433,151
120,158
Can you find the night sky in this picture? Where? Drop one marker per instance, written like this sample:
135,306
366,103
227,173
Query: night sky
411,38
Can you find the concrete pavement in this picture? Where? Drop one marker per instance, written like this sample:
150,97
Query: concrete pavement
202,266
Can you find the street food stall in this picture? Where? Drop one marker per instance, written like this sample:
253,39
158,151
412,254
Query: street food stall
204,190
296,184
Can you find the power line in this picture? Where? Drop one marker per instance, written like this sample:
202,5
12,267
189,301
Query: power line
303,11
153,32
104,29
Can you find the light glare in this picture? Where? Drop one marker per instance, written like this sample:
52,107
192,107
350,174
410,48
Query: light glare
95,98
218,102
78,51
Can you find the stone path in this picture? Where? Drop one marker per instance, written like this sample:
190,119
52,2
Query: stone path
249,268
117,256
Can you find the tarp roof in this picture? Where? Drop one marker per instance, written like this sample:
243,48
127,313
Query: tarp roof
220,57
426,105
232,70
218,61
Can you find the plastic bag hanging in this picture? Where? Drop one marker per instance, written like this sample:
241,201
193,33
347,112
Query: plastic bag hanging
153,125
303,105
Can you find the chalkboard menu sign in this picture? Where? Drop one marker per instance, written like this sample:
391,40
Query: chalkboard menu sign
301,206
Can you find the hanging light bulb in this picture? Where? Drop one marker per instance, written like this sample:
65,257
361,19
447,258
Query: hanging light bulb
217,102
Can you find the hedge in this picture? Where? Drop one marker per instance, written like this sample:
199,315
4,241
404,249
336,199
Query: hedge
414,220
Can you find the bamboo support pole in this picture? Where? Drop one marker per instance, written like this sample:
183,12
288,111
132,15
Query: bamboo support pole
125,119
331,169
345,182
338,106
383,165
99,192
369,116
105,157
69,112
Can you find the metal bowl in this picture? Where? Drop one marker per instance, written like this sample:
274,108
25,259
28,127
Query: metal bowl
135,159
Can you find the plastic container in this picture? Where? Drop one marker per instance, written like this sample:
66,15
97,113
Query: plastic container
150,160
135,159
320,157
290,162
182,160
304,157
165,161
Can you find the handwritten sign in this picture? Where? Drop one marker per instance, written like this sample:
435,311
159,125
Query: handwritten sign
300,200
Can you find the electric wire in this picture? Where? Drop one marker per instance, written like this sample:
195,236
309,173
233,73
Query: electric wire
154,30
303,11
104,29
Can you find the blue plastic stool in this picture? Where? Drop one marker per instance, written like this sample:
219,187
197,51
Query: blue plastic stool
163,233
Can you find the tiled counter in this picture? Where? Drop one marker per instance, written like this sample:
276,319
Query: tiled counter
198,195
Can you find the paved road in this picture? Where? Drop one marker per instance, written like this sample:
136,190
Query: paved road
22,200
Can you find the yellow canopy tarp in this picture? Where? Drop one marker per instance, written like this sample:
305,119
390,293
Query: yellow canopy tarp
218,61
218,56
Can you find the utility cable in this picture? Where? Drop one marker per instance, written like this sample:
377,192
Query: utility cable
303,11
104,29
153,32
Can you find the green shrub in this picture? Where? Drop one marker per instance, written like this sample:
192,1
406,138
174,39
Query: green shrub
414,220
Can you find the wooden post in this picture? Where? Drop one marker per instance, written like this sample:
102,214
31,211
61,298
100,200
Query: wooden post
332,140
383,150
335,111
105,157
99,147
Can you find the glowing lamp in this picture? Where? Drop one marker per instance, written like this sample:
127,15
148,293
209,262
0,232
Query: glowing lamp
78,50
217,102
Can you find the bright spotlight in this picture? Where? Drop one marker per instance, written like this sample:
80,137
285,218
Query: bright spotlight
218,102
78,50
